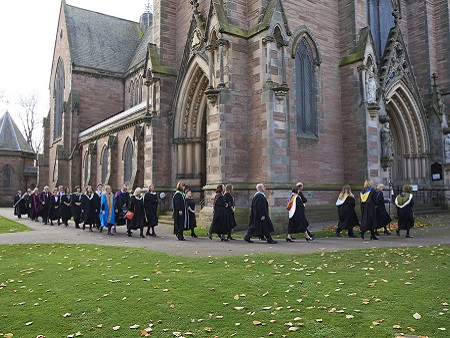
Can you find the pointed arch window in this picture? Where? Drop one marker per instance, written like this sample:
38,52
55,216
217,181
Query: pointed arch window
86,164
105,164
58,96
127,161
132,94
305,92
380,21
141,82
7,173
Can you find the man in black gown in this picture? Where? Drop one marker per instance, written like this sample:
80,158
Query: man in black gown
260,223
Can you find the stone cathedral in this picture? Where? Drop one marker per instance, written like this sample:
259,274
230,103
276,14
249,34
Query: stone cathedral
246,91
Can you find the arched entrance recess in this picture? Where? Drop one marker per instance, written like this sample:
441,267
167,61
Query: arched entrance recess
410,136
189,127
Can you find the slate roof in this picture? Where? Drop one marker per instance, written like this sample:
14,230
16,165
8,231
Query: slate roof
142,48
101,41
11,138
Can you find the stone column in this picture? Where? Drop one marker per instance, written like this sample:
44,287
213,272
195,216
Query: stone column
222,43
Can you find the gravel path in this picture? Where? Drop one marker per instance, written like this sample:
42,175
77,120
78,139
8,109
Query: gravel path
203,247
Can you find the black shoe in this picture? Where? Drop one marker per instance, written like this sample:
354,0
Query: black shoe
101,229
386,232
147,233
141,236
248,240
362,235
376,233
397,232
84,227
373,237
90,230
409,236
289,239
129,234
338,233
209,235
271,242
77,227
153,235
193,235
181,239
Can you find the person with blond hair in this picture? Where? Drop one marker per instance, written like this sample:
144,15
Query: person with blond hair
137,207
151,209
368,210
107,208
346,212
405,202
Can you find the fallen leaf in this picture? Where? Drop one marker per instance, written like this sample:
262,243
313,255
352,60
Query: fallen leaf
294,328
29,323
135,326
256,322
115,328
417,316
238,307
349,316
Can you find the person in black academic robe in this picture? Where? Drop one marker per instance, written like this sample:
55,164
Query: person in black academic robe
89,209
297,219
45,199
220,222
122,203
136,206
346,212
229,199
368,210
179,215
405,203
75,206
66,201
383,217
98,200
53,207
19,205
192,221
260,223
151,210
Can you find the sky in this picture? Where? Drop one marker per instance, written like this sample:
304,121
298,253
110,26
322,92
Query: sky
27,40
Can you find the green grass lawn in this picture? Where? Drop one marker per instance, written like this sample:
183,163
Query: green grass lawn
99,291
8,226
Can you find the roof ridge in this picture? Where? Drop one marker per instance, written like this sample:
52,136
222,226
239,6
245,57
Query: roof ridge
112,16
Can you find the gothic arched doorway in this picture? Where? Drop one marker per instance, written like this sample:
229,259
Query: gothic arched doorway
410,136
189,128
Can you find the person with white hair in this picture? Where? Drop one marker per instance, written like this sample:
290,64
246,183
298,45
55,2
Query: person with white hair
137,207
260,224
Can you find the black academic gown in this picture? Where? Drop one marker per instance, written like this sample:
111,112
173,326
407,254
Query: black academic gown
298,222
383,218
53,208
260,208
220,221
347,214
151,209
405,214
75,207
179,221
66,213
369,213
230,210
45,199
192,221
20,207
122,203
137,206
89,209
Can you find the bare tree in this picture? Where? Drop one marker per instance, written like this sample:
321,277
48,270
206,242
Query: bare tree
29,118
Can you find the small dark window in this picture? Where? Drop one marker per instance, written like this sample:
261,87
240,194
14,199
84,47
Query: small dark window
86,168
7,177
61,34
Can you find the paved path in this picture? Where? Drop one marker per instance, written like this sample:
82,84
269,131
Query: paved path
203,247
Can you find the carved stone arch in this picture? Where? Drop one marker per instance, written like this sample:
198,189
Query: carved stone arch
304,33
278,35
410,134
189,125
185,102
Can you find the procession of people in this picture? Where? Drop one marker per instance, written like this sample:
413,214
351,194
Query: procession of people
102,210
